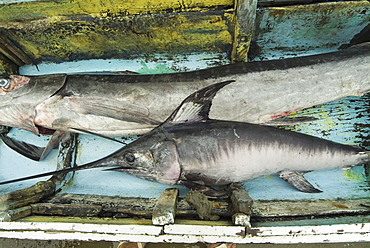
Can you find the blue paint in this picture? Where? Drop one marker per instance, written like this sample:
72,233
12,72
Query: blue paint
179,63
346,120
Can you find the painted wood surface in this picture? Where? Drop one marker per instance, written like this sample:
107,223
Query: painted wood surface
60,31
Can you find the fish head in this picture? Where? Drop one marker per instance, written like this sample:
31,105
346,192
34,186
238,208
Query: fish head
153,158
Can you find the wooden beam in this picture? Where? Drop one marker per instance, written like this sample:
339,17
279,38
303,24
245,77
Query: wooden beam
42,189
143,207
165,208
78,210
15,214
242,205
7,66
244,29
94,35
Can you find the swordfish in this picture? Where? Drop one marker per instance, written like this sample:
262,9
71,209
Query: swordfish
135,104
193,150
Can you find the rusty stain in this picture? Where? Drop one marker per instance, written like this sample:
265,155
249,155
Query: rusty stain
339,205
253,231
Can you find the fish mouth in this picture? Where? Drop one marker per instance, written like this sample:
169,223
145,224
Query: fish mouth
116,168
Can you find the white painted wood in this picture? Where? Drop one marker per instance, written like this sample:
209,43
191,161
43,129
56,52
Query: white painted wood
204,230
82,228
185,233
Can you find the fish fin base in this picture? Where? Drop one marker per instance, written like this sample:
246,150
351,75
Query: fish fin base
206,190
297,180
196,107
32,151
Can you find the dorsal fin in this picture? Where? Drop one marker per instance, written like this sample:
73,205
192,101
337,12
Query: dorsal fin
195,107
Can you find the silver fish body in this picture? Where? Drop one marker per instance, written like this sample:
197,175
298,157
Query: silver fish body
135,104
193,150
221,152
190,149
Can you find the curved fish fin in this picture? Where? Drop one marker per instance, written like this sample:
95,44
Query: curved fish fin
120,110
195,107
206,190
32,151
297,180
28,150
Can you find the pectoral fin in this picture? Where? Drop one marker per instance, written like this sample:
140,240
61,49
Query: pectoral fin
297,180
208,191
120,110
32,151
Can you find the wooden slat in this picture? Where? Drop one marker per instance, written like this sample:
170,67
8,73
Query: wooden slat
244,29
78,37
241,201
80,210
54,9
7,66
165,208
13,52
297,30
40,190
310,208
15,214
261,209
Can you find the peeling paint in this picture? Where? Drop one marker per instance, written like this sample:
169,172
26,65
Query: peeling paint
95,8
120,37
290,31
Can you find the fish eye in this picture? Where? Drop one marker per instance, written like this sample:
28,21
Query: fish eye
130,158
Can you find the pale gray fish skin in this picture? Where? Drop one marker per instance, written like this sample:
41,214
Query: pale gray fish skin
190,147
221,152
134,104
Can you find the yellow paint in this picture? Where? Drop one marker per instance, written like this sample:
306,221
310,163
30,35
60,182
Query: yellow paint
7,67
90,220
352,175
64,39
96,8
123,221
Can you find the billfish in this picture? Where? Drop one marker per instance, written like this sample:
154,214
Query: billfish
193,150
135,104
262,92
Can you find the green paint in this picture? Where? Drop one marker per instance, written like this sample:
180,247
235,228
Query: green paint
158,69
26,11
6,66
122,37
354,175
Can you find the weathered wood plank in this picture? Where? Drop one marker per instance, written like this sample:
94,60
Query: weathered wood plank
78,37
205,230
244,29
165,208
297,30
40,190
242,204
241,201
10,50
23,197
7,66
15,214
201,203
79,210
310,208
261,209
53,9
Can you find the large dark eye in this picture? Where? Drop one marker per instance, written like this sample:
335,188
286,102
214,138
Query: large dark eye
130,158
